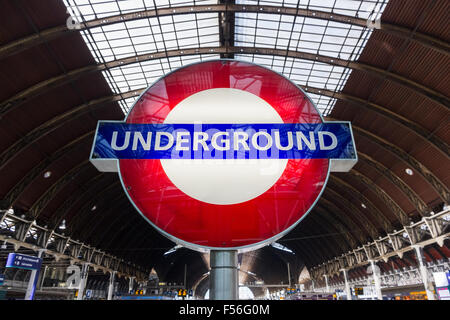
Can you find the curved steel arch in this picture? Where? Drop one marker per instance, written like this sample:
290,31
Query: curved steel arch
350,225
317,251
13,195
130,224
401,216
59,120
437,185
296,245
170,240
343,229
62,211
311,255
112,98
48,195
133,238
84,219
397,210
353,212
329,228
364,180
71,114
411,195
325,199
423,133
18,99
118,205
130,233
125,256
27,42
56,122
105,216
110,210
353,193
420,205
100,238
108,216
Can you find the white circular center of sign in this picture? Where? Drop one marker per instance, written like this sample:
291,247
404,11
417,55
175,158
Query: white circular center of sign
223,181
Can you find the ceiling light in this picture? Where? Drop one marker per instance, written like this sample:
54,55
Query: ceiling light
409,171
63,225
363,205
47,174
94,208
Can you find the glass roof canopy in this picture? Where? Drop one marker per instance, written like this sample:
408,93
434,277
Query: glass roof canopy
201,30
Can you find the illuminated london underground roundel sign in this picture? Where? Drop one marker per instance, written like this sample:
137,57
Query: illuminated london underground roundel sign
223,154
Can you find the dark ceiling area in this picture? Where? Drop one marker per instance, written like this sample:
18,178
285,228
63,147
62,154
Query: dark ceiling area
397,97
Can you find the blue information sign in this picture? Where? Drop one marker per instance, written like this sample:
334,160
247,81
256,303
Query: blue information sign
21,261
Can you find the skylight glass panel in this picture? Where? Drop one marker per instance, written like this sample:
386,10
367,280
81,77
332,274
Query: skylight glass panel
305,73
144,36
309,35
86,10
163,33
355,8
140,75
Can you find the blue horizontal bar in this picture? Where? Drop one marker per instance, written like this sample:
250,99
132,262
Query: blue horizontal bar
116,140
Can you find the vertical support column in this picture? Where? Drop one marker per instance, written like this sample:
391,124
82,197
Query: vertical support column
376,278
223,275
131,285
348,292
29,295
185,273
83,281
289,274
111,285
424,272
327,288
43,277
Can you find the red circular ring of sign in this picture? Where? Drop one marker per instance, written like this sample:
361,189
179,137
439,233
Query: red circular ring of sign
242,226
